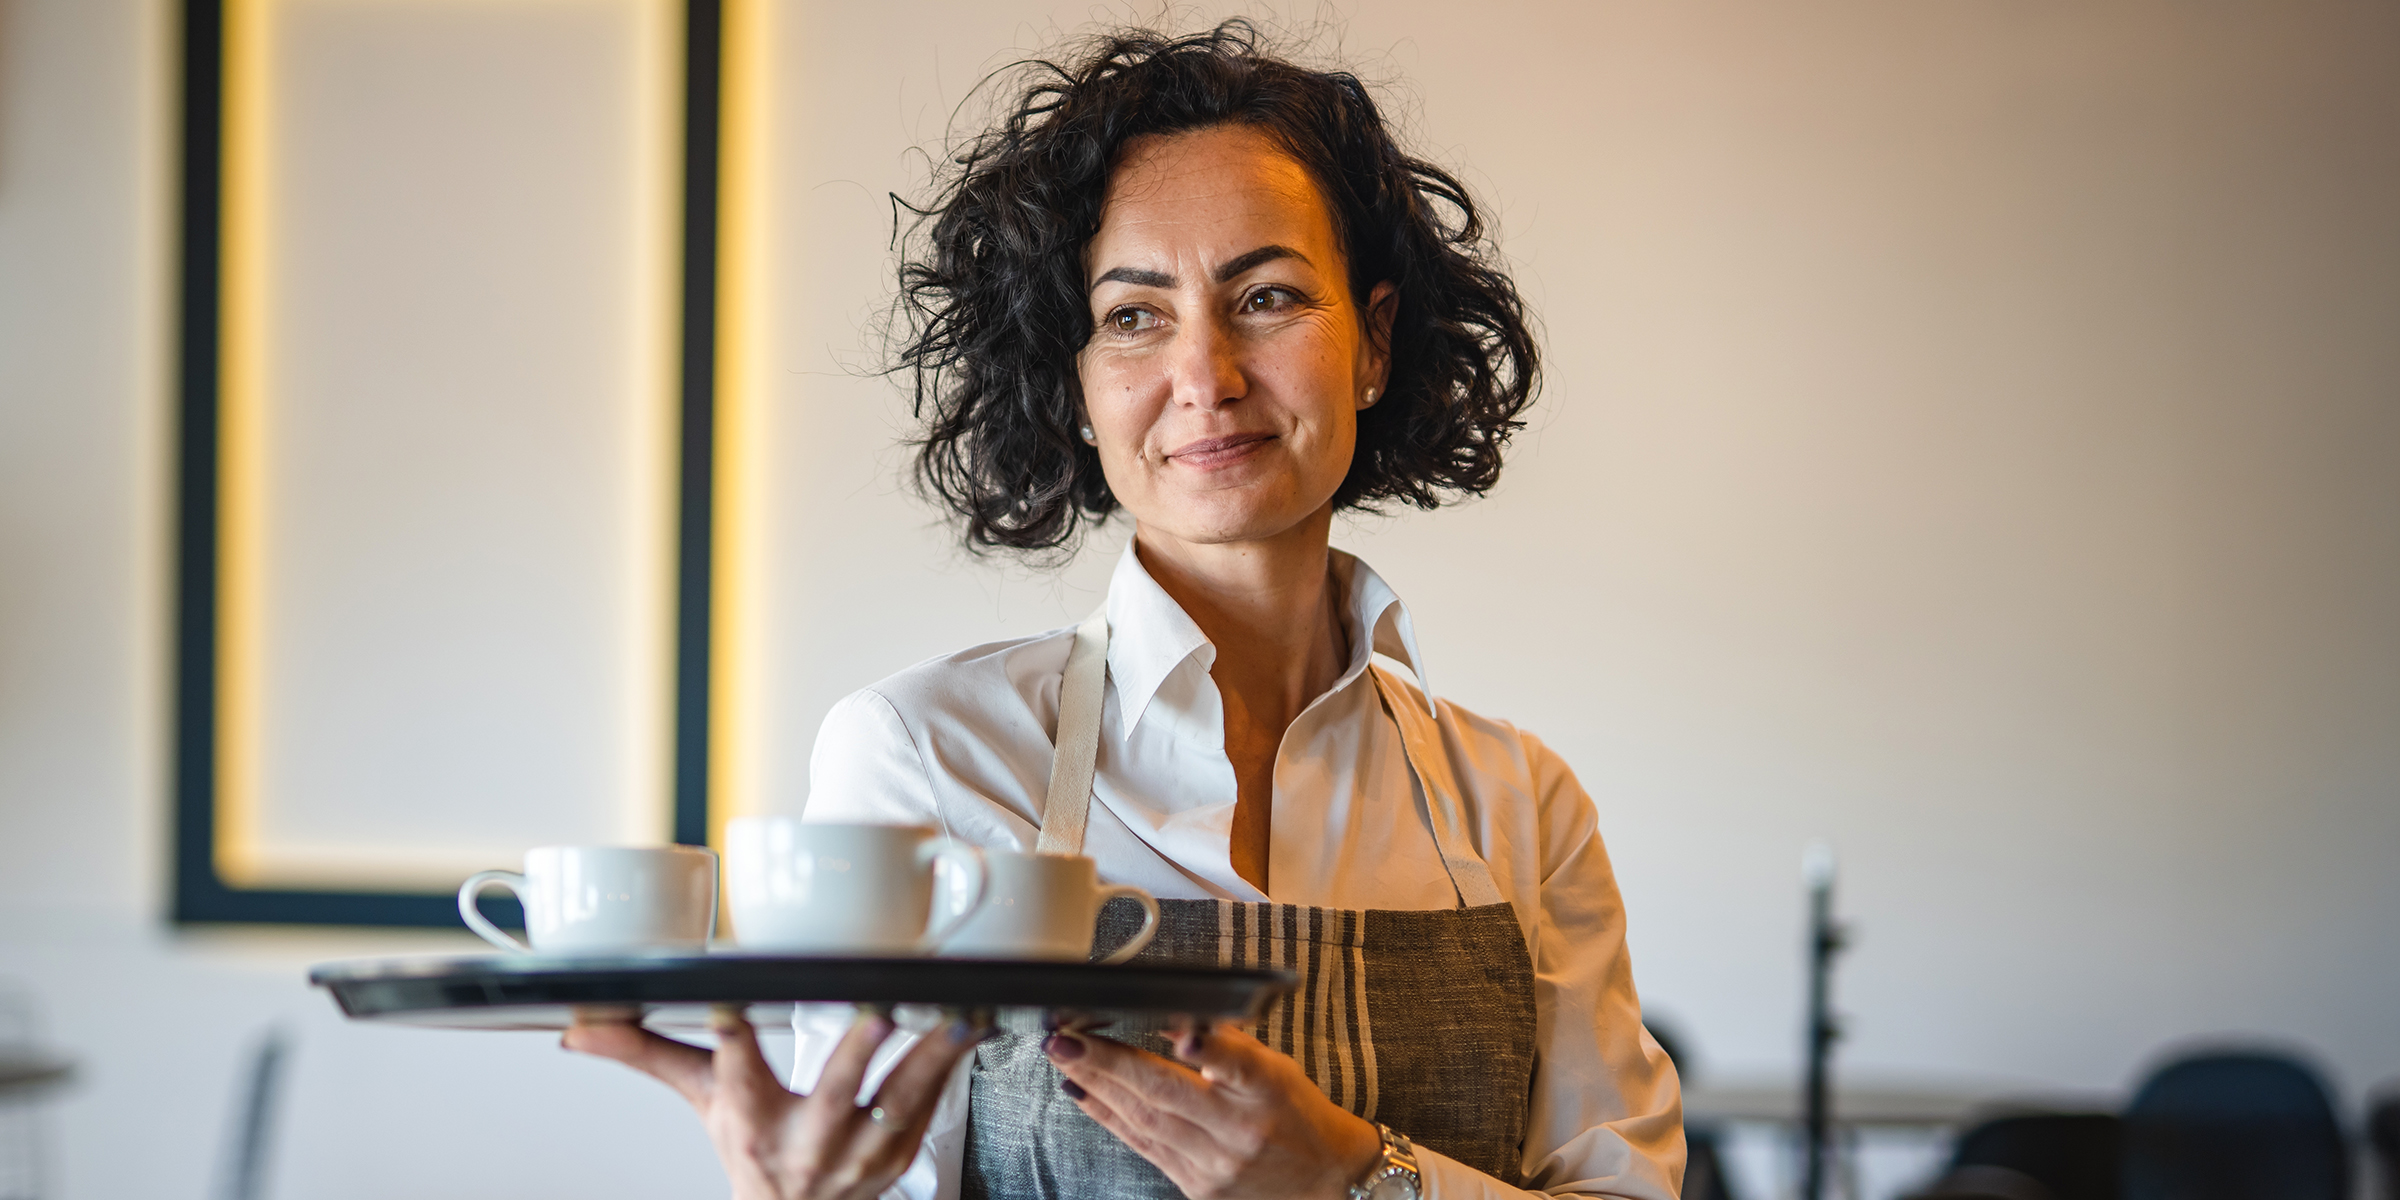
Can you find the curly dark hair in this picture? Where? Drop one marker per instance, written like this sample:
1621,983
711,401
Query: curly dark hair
992,308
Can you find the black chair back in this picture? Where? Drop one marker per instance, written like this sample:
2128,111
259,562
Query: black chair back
2074,1155
1703,1166
2383,1132
2234,1126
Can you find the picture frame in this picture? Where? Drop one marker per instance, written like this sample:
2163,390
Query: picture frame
220,872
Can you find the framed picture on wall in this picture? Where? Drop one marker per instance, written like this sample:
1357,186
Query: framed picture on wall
448,391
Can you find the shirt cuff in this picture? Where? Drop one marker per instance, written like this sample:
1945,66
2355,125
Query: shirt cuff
1446,1178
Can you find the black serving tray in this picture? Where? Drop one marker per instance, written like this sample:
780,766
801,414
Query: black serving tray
532,991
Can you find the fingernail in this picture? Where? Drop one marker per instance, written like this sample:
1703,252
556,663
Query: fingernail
1073,1090
1062,1048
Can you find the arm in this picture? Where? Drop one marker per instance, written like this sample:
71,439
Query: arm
819,1138
866,768
779,1145
1607,1111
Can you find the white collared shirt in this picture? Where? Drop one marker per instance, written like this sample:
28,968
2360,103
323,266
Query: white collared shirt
962,742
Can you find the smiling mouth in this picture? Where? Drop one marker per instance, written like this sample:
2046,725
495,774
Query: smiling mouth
1220,451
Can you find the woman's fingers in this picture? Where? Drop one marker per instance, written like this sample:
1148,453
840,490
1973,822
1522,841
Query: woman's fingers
847,1069
685,1068
911,1090
1161,1104
1223,1052
1097,1061
743,1077
1139,1137
831,1111
1185,1125
908,1096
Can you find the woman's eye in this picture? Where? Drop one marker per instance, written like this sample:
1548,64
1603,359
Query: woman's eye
1132,320
1268,299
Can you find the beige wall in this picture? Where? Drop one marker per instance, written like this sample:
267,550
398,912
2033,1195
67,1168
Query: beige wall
1972,436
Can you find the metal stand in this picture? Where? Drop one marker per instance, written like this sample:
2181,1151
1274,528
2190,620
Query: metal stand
1824,941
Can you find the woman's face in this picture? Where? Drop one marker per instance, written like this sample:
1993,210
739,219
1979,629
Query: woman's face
1228,361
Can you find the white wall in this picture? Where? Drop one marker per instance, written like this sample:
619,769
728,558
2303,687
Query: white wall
1971,436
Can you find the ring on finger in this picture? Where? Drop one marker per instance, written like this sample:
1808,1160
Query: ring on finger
882,1119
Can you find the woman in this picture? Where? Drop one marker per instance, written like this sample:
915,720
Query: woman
1197,282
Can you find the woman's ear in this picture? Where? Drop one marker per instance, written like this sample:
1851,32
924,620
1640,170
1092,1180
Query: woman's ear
1375,366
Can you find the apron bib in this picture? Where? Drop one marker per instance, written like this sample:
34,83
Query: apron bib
1422,1020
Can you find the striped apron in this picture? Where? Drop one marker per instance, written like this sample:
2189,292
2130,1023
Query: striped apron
1423,1021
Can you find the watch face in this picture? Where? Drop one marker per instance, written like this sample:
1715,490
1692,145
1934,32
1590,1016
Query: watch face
1394,1187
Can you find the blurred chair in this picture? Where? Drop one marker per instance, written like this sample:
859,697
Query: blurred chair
29,1073
2046,1156
1985,1183
2234,1126
1703,1166
243,1175
2383,1133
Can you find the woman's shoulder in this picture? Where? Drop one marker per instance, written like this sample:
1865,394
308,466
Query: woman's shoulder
1514,779
1491,744
945,738
992,679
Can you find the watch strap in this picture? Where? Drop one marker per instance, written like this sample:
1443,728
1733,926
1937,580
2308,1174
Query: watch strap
1398,1161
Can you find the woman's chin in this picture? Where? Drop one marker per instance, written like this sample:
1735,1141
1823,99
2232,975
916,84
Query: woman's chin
1236,524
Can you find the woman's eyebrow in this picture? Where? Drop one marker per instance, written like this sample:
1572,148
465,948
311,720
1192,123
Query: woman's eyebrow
1135,276
1264,254
1160,279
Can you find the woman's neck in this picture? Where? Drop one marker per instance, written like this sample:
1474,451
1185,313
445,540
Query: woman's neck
1267,606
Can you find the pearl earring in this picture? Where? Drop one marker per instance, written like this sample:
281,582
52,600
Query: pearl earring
1370,398
1089,437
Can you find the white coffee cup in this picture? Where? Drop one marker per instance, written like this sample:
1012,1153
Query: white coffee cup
1043,906
602,899
807,888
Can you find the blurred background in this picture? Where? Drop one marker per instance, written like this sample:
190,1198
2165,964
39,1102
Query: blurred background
1971,437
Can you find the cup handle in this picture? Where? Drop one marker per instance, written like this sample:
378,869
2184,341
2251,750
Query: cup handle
961,857
1141,937
474,917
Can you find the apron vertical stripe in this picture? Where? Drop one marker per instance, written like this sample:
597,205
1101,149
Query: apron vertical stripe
1288,925
1316,1001
1338,1020
1336,1042
1224,933
1304,1022
1359,1026
1281,951
1270,955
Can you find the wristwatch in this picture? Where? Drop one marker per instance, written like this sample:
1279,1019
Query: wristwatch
1394,1176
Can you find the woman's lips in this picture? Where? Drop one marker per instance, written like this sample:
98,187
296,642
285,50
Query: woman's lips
1219,451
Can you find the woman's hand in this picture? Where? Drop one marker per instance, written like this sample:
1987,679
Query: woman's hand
780,1146
1247,1122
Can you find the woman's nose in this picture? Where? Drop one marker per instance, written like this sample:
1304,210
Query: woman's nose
1206,369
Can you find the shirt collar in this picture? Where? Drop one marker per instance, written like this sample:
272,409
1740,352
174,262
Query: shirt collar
1149,635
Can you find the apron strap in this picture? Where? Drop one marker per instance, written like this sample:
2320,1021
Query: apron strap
1076,746
1076,749
1421,738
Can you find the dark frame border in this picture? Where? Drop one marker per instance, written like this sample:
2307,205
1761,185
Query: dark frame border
200,894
